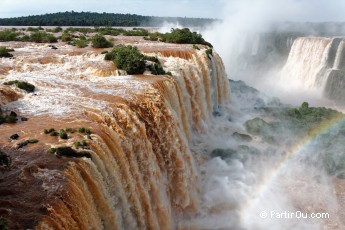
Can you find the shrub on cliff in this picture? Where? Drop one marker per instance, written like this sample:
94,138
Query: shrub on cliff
184,36
99,41
127,58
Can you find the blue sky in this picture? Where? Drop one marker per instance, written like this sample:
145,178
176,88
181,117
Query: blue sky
188,8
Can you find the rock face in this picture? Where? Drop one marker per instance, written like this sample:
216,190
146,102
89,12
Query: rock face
134,168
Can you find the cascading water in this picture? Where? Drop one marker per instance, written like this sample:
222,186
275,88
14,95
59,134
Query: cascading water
307,60
165,152
141,173
316,64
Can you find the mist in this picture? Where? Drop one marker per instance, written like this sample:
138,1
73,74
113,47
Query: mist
280,170
264,157
246,38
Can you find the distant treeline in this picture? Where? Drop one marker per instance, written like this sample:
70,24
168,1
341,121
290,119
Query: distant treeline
100,19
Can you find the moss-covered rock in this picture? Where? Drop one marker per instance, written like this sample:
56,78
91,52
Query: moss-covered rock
241,137
223,153
257,126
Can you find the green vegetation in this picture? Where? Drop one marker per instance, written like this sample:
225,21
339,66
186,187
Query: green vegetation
80,30
156,36
66,37
258,126
130,59
5,52
136,32
109,31
184,36
70,152
82,42
32,29
298,121
83,144
32,141
241,137
55,30
196,47
8,35
70,130
22,85
5,161
99,41
8,118
63,134
26,142
100,19
241,152
305,118
84,130
127,58
22,144
3,225
209,52
42,37
180,36
47,131
324,127
157,69
52,150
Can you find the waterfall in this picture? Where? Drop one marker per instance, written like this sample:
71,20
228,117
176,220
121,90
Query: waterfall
142,173
317,63
307,60
339,62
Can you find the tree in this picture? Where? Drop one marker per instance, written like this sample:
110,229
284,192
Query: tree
127,58
184,36
98,41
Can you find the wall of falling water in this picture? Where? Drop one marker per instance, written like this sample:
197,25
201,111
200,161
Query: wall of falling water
307,59
142,174
317,63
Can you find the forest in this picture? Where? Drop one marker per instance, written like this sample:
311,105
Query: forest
100,19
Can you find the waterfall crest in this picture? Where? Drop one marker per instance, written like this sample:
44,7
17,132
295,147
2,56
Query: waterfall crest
142,173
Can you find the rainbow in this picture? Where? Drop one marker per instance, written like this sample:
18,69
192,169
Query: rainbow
279,167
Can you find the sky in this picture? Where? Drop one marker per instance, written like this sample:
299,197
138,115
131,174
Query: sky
305,10
181,8
310,10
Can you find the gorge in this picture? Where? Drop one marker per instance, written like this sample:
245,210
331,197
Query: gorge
141,173
180,151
